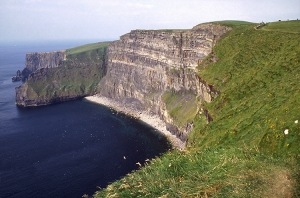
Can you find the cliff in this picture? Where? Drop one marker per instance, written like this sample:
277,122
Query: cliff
151,71
252,145
62,76
37,60
155,71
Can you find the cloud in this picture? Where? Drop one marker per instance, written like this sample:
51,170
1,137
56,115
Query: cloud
140,5
101,18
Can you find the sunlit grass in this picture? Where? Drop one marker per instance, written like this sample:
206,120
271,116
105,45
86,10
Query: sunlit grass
87,47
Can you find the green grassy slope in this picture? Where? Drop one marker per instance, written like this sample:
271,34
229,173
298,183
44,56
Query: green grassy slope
181,106
85,48
244,151
79,75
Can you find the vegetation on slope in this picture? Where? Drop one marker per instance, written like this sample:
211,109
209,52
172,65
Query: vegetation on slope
252,147
79,75
100,48
181,106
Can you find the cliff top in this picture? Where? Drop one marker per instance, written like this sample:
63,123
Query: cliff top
85,48
251,148
283,26
230,23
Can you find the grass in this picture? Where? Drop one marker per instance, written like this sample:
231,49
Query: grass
85,48
232,23
258,79
207,173
243,152
181,106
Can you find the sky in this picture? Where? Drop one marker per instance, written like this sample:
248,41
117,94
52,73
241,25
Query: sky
109,19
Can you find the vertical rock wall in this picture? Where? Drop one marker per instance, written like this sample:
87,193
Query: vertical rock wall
38,60
144,64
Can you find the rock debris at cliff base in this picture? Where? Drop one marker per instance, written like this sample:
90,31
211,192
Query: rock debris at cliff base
151,119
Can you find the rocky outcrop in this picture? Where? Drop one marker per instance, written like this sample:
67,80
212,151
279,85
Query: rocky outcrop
28,93
145,64
59,78
18,77
37,60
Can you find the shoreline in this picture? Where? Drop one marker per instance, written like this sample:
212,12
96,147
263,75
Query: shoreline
152,120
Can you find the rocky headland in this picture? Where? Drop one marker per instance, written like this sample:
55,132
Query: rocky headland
62,76
147,73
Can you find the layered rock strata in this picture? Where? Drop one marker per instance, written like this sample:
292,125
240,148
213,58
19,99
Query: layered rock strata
153,72
144,65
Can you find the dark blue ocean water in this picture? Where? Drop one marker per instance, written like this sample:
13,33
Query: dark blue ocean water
66,149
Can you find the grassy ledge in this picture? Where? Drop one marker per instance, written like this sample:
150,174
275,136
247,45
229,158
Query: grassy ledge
252,147
181,106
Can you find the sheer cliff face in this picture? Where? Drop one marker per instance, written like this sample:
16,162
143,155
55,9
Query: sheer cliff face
148,70
38,60
144,64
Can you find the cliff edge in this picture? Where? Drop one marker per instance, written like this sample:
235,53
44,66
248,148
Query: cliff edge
154,71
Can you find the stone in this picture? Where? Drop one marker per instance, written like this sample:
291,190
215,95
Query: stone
37,60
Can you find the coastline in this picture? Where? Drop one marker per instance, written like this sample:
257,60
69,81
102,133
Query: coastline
152,120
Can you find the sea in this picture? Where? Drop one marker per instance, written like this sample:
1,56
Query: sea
67,149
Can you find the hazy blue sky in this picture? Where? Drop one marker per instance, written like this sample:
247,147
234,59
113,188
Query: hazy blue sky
108,19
